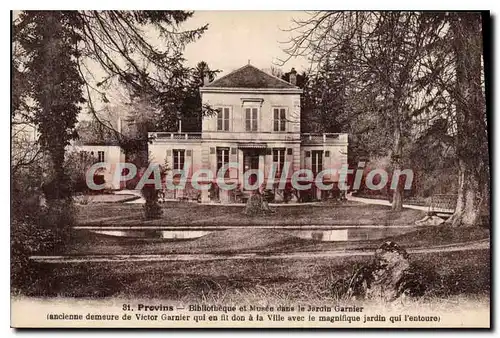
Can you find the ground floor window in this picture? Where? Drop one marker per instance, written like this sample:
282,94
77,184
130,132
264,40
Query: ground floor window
178,159
279,160
317,161
222,159
100,156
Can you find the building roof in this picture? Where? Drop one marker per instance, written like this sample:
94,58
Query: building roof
249,77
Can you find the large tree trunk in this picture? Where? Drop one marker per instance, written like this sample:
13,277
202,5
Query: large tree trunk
472,140
397,199
470,199
397,195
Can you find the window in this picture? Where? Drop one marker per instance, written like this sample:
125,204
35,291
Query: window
100,156
251,115
279,159
223,119
317,161
178,159
279,119
222,159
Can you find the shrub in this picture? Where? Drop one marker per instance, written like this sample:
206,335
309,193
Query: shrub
152,209
39,223
76,165
268,195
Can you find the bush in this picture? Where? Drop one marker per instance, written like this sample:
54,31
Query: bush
268,195
39,230
76,165
152,209
257,205
306,196
37,225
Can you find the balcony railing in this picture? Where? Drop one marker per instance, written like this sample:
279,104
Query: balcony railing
308,138
164,136
323,137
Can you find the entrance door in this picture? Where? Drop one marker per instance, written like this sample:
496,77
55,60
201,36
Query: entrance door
251,161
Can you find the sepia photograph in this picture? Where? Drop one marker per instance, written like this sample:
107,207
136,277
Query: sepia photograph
250,169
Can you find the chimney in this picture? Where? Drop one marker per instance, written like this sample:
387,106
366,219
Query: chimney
119,125
179,119
206,79
293,77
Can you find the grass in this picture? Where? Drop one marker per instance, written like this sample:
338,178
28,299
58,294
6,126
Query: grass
286,280
261,241
184,214
464,274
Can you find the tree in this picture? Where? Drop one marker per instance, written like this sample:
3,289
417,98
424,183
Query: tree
325,94
47,95
472,137
103,49
274,71
455,79
77,164
383,49
410,67
64,59
54,85
192,110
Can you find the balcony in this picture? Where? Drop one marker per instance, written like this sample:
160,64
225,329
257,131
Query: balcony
168,137
306,138
323,138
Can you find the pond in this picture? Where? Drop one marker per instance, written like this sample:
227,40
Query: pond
351,234
330,235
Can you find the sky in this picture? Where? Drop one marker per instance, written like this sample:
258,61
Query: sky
232,40
235,37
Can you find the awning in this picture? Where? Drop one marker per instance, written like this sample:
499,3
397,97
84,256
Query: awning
252,145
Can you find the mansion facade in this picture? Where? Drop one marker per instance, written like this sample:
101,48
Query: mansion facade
256,127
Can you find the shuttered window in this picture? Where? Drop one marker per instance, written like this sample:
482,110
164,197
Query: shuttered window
279,119
100,156
317,161
178,159
222,159
223,119
251,118
279,159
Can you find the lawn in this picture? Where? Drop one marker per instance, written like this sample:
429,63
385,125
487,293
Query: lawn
464,274
460,274
264,241
186,214
247,240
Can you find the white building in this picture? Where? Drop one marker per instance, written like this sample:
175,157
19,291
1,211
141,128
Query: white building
111,154
257,126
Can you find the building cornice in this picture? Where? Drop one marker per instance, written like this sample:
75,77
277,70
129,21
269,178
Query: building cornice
251,90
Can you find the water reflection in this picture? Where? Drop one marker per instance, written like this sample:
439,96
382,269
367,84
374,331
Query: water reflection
350,234
166,234
334,235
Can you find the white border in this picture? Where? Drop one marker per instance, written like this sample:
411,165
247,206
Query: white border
195,5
